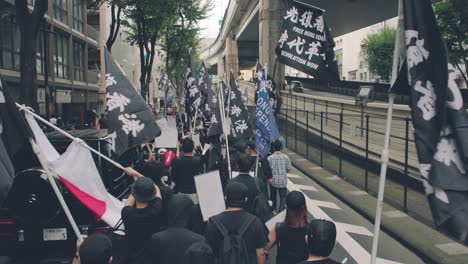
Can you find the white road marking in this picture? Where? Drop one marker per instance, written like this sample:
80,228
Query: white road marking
344,261
301,159
293,176
358,192
316,168
307,187
351,246
333,178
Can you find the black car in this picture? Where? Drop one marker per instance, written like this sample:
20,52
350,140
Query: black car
32,219
297,87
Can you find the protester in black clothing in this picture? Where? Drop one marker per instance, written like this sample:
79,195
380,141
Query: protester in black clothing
184,170
169,246
264,173
141,216
244,164
255,237
289,235
95,249
321,238
103,122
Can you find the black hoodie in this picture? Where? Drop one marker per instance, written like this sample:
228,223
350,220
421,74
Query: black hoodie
170,246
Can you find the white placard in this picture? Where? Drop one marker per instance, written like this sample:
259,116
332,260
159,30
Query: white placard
210,194
206,148
277,218
196,140
54,234
169,133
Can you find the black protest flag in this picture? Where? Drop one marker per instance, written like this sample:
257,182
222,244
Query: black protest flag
439,118
192,93
241,126
14,137
131,122
306,43
209,97
216,122
275,96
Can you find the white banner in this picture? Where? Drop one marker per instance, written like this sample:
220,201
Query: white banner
168,137
210,194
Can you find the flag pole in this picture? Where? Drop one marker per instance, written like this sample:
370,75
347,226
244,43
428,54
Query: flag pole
223,120
265,72
78,140
52,182
385,151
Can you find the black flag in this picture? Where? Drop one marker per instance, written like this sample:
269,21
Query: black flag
14,136
241,126
275,96
131,121
306,43
193,95
216,124
209,98
439,118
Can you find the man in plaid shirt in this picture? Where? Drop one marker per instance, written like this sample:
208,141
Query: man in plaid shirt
280,166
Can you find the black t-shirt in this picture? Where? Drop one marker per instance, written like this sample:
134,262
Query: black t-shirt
141,223
255,237
184,169
323,261
169,246
252,192
292,247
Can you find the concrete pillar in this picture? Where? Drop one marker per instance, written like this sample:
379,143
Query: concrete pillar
270,20
221,73
232,58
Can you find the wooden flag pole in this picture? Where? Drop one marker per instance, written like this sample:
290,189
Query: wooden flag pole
81,142
385,151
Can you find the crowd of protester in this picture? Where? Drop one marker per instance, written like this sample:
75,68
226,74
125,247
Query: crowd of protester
164,225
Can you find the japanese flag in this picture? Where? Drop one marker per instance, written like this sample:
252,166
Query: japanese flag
77,171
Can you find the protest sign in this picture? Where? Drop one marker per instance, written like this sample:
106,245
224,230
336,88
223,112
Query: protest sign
210,194
168,137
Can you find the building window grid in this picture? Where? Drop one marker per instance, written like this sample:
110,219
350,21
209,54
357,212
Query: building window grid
78,61
61,56
40,53
9,46
78,15
61,10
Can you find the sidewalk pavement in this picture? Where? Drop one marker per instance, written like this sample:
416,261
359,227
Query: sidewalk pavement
429,244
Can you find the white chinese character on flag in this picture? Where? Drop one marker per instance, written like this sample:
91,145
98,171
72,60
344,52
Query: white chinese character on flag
319,24
283,38
306,19
292,14
416,53
427,101
235,110
298,44
110,80
130,124
116,100
313,49
241,126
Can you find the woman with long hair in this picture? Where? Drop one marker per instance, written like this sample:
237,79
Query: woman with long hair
289,235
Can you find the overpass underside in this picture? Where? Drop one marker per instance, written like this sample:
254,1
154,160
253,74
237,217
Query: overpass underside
251,30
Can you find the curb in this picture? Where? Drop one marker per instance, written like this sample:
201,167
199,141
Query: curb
423,240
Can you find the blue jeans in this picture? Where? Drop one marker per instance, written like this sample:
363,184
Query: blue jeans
282,197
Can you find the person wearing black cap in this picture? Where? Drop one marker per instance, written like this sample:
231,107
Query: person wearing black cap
245,163
168,246
289,235
141,216
235,220
95,249
264,173
321,239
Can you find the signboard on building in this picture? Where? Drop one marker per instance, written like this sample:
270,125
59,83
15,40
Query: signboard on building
63,96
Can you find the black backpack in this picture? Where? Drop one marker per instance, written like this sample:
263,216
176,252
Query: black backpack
233,249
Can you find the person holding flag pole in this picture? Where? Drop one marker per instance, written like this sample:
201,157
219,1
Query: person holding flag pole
223,122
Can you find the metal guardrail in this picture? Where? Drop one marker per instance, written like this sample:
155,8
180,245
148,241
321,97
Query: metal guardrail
347,141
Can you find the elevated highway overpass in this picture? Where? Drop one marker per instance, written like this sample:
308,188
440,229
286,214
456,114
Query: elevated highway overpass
251,29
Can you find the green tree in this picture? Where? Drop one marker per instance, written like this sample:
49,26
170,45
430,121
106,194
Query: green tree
379,49
145,20
180,35
452,18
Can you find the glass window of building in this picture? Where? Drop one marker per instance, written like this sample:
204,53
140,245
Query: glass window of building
78,15
40,53
78,61
61,56
352,75
9,44
60,10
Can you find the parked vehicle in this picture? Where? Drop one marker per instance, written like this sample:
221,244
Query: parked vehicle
296,86
32,219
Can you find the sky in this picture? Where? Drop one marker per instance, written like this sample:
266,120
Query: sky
210,26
